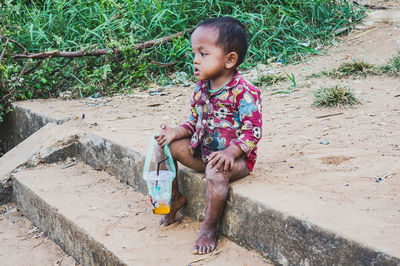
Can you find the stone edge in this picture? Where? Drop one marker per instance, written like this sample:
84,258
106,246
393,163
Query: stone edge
74,240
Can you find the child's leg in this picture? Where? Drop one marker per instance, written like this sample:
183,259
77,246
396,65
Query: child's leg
180,152
216,195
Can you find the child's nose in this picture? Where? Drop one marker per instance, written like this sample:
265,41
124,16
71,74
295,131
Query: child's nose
196,59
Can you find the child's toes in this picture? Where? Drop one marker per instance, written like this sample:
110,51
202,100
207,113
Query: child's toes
195,250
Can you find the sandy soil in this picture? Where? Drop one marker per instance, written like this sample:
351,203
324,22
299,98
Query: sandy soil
21,243
325,183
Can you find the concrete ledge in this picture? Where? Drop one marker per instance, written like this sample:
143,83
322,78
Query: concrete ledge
291,241
104,154
280,236
20,124
65,233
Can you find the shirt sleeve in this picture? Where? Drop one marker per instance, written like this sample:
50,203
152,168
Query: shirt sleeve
190,124
250,115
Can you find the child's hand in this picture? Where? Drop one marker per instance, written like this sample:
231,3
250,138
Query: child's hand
167,135
224,160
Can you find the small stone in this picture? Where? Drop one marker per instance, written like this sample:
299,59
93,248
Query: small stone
324,142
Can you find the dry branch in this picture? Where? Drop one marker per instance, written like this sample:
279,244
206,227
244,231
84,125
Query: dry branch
100,52
4,49
33,69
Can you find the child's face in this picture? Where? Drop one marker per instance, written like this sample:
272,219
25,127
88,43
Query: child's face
209,59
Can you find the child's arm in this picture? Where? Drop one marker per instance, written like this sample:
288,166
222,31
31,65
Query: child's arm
250,115
185,130
169,134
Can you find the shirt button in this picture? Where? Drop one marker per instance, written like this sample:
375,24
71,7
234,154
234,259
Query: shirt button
204,121
207,101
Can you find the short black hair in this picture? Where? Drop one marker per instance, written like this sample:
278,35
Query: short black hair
232,36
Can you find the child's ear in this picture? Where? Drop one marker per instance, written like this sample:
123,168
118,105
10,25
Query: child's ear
232,59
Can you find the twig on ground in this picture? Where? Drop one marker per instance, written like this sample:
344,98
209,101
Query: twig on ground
323,116
206,256
362,34
141,229
398,95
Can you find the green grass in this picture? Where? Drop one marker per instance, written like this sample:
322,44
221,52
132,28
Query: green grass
359,68
268,80
347,69
337,96
393,67
281,29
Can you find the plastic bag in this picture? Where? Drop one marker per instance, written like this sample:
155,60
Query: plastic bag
159,182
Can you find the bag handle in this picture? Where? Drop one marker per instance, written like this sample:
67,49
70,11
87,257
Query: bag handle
167,154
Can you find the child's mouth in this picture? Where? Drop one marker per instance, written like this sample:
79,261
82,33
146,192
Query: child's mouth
196,71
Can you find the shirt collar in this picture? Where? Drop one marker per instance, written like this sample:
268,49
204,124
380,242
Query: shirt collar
234,81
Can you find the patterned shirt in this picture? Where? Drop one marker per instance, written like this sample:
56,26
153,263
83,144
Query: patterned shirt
231,116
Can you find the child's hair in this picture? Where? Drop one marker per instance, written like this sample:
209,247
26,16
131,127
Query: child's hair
232,36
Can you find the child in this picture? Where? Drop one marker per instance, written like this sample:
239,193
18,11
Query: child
220,138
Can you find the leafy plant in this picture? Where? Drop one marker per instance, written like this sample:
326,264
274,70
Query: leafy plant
268,80
355,69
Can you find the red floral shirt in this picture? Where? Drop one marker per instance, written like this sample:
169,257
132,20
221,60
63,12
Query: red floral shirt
231,116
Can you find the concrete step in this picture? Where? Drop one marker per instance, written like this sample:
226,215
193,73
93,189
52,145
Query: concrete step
291,223
100,221
49,143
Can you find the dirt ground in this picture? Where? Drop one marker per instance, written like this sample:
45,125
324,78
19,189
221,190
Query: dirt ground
328,170
21,243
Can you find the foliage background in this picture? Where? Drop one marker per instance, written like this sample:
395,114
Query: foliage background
279,30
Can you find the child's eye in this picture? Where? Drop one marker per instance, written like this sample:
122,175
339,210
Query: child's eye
202,54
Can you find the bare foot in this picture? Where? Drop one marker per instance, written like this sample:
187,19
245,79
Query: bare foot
175,206
205,243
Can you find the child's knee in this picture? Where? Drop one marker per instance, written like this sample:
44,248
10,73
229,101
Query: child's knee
176,149
215,176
